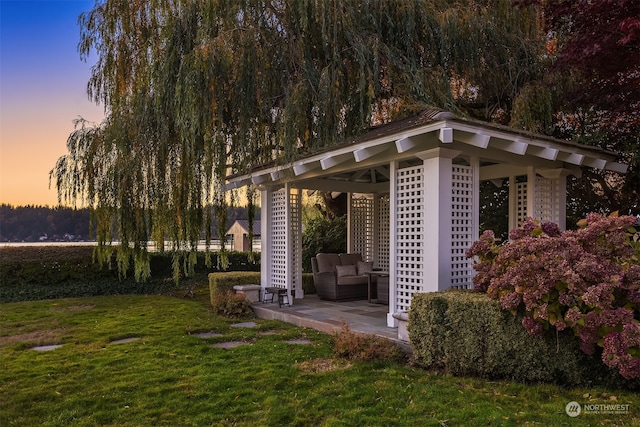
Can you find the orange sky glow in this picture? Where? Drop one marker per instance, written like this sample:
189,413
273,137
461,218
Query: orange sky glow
42,90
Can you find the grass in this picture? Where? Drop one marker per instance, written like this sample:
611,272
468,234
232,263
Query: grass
171,377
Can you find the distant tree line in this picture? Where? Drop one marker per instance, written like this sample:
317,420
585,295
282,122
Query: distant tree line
33,223
42,223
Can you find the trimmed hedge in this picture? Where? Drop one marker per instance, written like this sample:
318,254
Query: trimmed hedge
467,334
225,281
49,272
220,283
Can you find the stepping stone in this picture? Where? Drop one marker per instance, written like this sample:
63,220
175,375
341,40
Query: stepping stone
299,342
230,344
46,347
244,325
207,335
125,340
269,333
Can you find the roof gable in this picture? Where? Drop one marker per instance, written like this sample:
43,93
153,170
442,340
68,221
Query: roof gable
244,224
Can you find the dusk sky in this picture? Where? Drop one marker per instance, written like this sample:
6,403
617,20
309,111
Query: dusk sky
42,90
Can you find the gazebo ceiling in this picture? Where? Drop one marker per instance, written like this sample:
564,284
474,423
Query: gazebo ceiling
361,164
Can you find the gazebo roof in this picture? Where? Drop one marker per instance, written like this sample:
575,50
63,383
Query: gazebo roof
360,164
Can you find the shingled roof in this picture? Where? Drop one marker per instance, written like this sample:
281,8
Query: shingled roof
399,139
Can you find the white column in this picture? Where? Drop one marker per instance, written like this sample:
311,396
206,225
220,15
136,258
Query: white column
294,233
531,192
393,244
349,223
475,164
265,238
288,242
513,203
562,202
376,228
437,220
558,196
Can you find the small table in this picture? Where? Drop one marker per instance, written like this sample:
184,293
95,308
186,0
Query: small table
280,292
377,273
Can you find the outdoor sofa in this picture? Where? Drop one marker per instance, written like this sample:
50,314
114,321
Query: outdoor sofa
340,276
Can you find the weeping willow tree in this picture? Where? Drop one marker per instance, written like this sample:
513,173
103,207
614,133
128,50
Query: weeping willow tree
195,89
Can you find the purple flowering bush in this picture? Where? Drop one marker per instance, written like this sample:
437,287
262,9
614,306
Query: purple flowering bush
587,280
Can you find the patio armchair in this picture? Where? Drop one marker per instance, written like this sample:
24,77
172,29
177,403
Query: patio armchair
340,276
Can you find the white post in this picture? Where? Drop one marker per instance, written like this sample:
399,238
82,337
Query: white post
559,195
288,241
531,191
265,238
561,209
393,244
376,229
513,203
296,245
349,223
474,162
437,219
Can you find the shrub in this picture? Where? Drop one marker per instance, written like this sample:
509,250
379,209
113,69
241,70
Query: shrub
466,333
28,274
228,304
365,347
33,273
586,280
221,283
323,235
224,282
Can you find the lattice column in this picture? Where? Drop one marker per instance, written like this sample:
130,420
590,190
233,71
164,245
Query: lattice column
409,238
294,242
463,225
551,197
542,198
517,202
361,225
278,238
284,240
382,233
543,204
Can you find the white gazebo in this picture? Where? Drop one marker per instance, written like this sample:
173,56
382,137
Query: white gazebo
413,189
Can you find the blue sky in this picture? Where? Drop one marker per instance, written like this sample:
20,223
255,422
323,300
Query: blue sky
42,90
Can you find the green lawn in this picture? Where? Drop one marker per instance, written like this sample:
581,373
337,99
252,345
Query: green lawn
171,377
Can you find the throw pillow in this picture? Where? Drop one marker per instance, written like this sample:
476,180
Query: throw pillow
346,270
364,267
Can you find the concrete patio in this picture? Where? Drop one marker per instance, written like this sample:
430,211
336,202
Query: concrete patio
330,316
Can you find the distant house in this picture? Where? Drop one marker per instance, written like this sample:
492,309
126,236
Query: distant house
238,236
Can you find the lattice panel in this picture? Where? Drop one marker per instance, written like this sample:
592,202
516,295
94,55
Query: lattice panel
384,220
409,235
462,225
295,238
545,205
521,202
278,231
362,222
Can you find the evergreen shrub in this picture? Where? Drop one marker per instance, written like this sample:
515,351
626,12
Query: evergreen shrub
222,282
49,272
467,334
